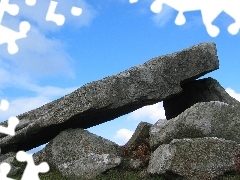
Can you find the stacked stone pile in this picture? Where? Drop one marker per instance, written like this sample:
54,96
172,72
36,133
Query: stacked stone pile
200,139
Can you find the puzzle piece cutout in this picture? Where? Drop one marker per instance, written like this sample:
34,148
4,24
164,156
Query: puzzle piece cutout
59,19
12,124
4,170
12,9
7,35
12,121
209,10
31,171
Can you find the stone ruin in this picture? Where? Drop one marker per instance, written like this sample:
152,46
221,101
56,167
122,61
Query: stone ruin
200,137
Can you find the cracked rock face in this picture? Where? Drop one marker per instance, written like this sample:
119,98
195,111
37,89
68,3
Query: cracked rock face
78,154
194,159
205,119
101,101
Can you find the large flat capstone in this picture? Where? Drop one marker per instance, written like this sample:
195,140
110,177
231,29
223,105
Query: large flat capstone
111,97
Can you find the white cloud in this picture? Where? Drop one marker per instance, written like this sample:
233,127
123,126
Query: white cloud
162,18
234,94
39,56
50,91
122,136
12,78
150,113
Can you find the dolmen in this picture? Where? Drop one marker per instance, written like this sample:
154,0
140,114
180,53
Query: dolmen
101,101
199,139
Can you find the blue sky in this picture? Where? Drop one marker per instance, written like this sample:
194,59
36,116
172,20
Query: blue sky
110,36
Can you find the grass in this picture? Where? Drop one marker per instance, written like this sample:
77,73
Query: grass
121,172
229,177
51,175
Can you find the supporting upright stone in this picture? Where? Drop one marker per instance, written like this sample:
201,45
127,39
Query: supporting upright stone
79,154
197,158
138,147
205,119
141,133
101,101
203,90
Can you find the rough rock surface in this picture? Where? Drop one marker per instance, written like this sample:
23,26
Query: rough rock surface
141,133
203,90
194,159
138,147
135,163
205,119
79,154
111,97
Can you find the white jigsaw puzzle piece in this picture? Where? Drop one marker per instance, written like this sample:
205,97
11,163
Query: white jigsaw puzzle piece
12,121
31,171
30,2
7,35
12,124
4,170
232,8
59,19
76,11
209,10
12,9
